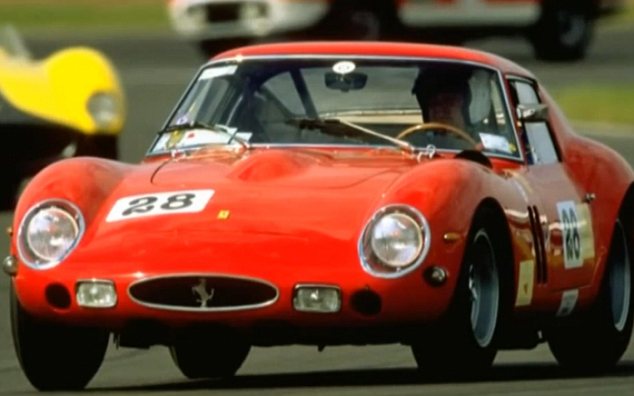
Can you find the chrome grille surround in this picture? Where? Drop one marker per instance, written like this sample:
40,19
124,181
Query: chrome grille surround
203,292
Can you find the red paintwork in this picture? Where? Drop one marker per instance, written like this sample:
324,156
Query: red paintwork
379,49
297,215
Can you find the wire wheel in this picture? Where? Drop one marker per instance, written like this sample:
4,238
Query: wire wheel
484,290
463,343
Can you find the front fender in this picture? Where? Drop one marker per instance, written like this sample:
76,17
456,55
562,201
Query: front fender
84,181
448,192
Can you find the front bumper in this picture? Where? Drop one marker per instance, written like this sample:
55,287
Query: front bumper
371,309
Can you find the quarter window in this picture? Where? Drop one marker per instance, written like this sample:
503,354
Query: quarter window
539,141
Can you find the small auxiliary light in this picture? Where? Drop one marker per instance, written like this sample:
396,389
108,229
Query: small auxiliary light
311,298
96,294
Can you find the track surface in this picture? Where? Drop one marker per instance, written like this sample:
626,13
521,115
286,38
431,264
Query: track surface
154,70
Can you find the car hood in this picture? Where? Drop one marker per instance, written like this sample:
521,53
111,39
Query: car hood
279,168
263,195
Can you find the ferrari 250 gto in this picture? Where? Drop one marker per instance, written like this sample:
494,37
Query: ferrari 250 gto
331,193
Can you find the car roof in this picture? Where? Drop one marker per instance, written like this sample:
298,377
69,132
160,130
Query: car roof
378,48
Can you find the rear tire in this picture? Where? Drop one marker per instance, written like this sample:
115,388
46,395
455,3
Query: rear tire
596,340
463,344
53,356
564,31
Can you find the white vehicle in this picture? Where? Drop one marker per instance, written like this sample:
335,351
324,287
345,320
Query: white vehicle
558,29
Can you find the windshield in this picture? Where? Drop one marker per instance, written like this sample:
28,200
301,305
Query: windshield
343,101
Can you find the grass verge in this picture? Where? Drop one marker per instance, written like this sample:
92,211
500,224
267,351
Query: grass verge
594,103
84,14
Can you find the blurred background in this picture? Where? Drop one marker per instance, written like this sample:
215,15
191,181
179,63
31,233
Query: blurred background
152,48
155,56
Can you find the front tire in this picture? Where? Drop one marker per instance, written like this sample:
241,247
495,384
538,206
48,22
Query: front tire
464,342
54,356
104,146
596,340
216,355
9,192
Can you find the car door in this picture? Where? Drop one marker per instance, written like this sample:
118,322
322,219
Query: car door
561,215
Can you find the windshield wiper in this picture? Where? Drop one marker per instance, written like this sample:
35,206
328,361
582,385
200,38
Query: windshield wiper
209,127
321,123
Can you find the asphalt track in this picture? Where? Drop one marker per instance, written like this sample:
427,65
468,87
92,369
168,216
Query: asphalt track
154,70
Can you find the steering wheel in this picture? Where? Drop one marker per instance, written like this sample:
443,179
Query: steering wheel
439,126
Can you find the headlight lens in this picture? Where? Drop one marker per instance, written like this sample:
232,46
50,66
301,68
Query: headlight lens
103,109
395,241
49,232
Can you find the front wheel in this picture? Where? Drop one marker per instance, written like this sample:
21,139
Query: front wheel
596,340
104,146
54,356
215,355
9,192
464,342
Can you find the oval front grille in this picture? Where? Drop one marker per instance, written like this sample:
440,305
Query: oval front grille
203,293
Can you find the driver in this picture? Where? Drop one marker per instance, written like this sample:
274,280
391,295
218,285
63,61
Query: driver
447,107
444,97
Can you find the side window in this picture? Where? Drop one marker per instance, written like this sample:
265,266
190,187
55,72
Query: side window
538,137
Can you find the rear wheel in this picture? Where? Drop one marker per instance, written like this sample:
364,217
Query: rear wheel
596,340
54,356
564,31
464,342
212,355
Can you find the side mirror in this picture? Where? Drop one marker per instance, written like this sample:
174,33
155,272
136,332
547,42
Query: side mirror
345,82
532,112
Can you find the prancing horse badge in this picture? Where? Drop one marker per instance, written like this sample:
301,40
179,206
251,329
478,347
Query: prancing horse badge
204,296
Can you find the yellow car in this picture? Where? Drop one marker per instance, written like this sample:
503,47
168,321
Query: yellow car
68,104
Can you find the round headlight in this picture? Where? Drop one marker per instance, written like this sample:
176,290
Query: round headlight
48,233
394,242
103,109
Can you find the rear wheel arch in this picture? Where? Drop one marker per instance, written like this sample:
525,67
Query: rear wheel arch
624,215
595,339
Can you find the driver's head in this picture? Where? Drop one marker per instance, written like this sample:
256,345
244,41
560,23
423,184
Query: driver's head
443,96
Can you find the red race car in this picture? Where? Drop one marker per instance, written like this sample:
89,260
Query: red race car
333,193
